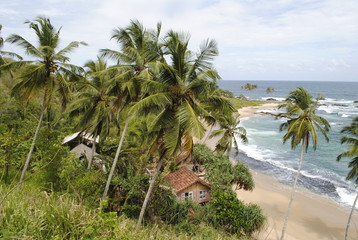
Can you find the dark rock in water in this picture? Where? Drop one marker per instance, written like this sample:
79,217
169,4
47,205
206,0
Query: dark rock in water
355,102
339,105
272,99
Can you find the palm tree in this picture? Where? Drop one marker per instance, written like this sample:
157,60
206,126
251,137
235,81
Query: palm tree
94,104
46,74
269,90
301,127
229,129
138,48
249,86
181,99
352,140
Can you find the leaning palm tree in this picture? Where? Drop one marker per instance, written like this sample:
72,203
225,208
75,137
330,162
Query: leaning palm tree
93,103
229,130
180,99
138,48
352,140
301,126
46,74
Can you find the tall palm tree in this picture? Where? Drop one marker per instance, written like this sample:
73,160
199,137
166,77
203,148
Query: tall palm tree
229,129
352,140
301,126
94,103
138,47
44,75
181,99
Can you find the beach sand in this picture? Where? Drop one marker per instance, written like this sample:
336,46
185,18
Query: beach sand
312,216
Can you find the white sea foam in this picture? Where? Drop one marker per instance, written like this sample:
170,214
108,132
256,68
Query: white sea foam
339,110
345,115
345,196
309,175
264,155
335,101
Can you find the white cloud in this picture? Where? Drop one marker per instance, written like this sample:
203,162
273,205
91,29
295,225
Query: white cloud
257,39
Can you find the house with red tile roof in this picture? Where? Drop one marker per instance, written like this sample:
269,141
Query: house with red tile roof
186,185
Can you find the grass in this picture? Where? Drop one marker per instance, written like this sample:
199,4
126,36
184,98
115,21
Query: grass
240,103
29,213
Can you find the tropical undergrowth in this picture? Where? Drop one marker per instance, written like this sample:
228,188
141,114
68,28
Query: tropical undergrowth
30,213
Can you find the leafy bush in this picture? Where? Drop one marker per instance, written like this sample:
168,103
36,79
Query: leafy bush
221,173
233,215
86,186
167,208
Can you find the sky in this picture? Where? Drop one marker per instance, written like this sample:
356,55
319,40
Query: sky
257,39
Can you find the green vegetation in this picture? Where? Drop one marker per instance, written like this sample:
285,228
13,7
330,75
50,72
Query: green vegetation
352,152
301,128
145,110
249,86
269,90
33,214
240,102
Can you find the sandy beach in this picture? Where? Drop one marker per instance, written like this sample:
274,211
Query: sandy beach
312,217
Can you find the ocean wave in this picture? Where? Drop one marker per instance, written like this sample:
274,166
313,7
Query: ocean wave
345,196
270,163
253,131
336,101
340,110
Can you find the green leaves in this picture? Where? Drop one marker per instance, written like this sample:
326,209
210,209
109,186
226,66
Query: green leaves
189,120
234,216
302,121
352,139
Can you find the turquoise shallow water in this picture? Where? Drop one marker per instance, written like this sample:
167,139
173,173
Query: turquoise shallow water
266,153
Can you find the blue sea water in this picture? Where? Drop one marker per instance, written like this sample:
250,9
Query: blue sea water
266,153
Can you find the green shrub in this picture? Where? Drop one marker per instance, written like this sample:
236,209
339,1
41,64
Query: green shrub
234,216
86,185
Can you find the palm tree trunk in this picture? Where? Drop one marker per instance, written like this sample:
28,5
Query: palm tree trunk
207,136
31,148
293,190
92,152
350,216
6,173
114,164
150,189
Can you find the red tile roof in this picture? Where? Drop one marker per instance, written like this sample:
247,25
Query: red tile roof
183,178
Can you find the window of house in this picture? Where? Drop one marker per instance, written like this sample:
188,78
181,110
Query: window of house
187,195
202,194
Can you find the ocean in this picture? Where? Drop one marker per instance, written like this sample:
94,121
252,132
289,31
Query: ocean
266,153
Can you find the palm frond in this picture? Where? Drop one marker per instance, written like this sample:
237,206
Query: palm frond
21,42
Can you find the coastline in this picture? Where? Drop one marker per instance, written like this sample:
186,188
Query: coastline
312,216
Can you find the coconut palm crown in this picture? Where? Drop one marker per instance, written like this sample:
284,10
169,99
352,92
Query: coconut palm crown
302,121
229,130
48,71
